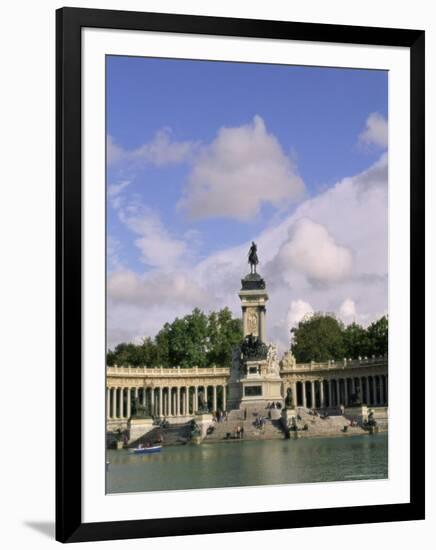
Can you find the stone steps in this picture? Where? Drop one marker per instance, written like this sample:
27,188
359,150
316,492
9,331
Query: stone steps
175,434
245,419
332,425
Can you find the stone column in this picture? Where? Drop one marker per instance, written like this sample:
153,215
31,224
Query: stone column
129,403
367,391
186,400
345,391
386,390
303,387
108,403
121,403
144,391
353,385
153,410
338,392
195,399
114,402
294,393
136,392
321,393
374,391
382,401
160,401
119,397
178,401
214,406
262,328
224,397
330,393
312,394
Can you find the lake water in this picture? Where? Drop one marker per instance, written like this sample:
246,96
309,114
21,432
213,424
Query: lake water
246,463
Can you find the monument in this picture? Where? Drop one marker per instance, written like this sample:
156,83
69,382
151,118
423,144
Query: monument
140,421
356,410
255,371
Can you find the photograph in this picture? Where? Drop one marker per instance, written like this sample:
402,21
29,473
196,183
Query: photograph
247,254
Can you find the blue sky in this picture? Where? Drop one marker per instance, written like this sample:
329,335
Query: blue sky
175,130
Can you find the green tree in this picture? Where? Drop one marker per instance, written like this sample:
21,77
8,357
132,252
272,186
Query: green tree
194,340
318,338
224,334
356,341
378,333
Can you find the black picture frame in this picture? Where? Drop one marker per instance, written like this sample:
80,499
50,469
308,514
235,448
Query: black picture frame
69,22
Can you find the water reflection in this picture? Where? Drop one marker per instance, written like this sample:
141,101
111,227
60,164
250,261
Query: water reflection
250,463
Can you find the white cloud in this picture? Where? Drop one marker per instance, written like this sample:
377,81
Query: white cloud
155,289
240,170
114,153
376,131
349,220
158,247
161,150
116,188
139,306
312,250
298,310
347,310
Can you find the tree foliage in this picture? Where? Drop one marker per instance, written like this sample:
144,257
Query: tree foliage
322,337
194,340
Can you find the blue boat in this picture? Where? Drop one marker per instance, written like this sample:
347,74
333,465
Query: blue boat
146,450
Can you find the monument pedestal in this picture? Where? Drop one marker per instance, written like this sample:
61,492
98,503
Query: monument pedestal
203,420
358,413
257,385
138,427
288,414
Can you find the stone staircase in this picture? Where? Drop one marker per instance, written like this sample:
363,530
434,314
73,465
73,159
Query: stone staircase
227,430
332,425
174,434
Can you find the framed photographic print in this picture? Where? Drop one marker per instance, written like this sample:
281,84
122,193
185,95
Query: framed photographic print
240,274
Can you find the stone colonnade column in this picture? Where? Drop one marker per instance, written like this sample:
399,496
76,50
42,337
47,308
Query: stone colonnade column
303,387
381,381
294,393
321,394
153,410
224,398
346,391
329,382
374,391
159,410
214,406
178,401
129,402
114,402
